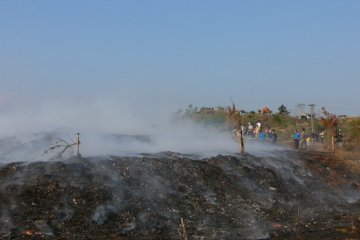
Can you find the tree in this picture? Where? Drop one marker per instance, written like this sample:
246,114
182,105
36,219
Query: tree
283,110
235,118
330,122
189,111
265,110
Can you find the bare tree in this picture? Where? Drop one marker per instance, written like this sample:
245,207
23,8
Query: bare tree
330,122
234,116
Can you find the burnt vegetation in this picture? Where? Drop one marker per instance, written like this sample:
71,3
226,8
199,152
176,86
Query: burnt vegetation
170,196
283,195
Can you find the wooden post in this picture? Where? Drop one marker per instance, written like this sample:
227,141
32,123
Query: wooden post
182,230
235,117
242,148
78,144
240,138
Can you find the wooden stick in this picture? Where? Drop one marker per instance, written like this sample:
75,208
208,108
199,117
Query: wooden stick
182,230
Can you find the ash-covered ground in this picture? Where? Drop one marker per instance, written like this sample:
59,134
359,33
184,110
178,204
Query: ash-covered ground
268,193
280,195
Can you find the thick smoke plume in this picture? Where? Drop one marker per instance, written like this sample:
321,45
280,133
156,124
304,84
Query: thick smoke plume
107,127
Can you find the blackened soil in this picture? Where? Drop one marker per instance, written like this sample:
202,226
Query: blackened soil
286,196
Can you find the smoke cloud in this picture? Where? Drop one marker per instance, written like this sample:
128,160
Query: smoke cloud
107,127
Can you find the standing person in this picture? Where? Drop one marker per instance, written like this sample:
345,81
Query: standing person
262,136
274,136
243,130
308,142
266,131
303,138
339,138
269,132
296,137
322,133
257,128
250,130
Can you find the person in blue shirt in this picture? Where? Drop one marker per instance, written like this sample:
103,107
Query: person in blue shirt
261,136
296,137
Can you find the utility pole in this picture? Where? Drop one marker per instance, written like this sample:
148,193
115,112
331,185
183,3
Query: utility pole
312,117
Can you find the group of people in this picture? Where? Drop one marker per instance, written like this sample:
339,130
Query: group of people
258,132
303,139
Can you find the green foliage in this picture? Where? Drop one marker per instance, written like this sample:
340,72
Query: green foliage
204,115
278,118
283,110
190,110
215,118
251,115
282,122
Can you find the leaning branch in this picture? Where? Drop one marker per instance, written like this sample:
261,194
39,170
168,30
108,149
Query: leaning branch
64,147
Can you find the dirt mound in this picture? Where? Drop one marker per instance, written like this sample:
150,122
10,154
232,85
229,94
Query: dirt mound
223,197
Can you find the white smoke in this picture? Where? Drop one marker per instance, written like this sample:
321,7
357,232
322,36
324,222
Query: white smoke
108,127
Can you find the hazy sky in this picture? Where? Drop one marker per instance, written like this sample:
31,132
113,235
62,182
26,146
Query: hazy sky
168,54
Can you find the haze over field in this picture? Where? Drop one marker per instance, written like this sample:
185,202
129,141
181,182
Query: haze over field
122,67
116,74
110,129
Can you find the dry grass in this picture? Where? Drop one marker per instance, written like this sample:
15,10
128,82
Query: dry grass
348,159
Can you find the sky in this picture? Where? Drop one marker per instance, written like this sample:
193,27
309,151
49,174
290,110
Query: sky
164,55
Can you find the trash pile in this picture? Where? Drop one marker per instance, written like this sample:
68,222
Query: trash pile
286,196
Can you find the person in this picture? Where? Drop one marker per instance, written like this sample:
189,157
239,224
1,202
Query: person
339,138
258,124
322,133
308,142
243,129
250,130
296,137
274,136
315,136
262,136
303,138
270,133
257,128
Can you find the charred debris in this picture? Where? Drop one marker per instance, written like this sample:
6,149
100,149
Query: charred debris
168,195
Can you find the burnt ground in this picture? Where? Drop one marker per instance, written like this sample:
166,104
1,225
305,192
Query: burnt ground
288,195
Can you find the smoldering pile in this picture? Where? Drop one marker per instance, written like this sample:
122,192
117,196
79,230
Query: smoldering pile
145,197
